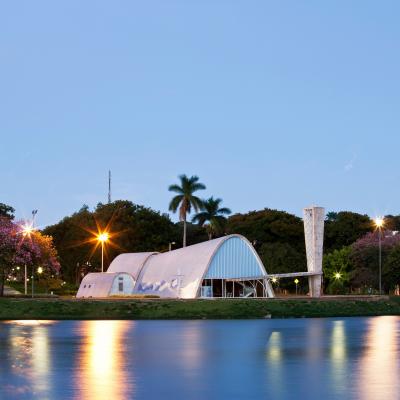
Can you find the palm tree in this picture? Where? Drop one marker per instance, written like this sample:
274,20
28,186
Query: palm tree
213,214
185,198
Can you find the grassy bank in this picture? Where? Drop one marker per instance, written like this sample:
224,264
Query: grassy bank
11,308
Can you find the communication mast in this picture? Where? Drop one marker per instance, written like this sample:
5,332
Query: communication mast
109,186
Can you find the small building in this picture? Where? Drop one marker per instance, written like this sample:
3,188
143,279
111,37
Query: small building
106,284
225,267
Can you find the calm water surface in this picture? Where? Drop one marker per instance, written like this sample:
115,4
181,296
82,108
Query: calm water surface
354,358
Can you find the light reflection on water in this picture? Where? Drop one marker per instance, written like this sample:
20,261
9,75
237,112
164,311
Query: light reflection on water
379,365
100,372
353,358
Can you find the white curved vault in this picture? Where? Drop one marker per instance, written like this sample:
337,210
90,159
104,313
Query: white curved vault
105,284
224,267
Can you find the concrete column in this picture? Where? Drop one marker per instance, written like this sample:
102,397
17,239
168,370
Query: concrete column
314,236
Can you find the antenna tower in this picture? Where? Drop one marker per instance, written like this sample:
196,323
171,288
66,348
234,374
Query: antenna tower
109,186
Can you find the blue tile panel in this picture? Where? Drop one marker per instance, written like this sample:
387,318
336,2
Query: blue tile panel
234,259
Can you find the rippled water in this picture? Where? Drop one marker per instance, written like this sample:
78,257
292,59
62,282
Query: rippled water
354,358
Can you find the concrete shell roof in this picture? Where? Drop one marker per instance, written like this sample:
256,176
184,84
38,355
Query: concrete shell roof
161,273
101,282
131,263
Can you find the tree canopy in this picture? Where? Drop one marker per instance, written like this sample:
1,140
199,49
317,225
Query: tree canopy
6,211
344,228
212,216
185,199
132,228
18,249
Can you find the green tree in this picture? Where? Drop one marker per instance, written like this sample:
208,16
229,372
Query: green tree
212,217
282,257
331,216
391,269
6,211
132,227
269,226
344,229
337,267
185,199
392,222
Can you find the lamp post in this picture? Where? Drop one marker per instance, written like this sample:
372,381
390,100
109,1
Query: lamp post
170,245
39,271
103,238
379,222
296,281
27,230
26,280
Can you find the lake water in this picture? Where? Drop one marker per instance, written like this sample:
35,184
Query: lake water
350,358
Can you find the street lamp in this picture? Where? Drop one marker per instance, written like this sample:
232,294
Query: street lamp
338,275
170,245
27,230
296,281
379,222
103,238
39,271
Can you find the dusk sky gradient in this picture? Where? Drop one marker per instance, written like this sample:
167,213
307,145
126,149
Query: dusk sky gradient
272,104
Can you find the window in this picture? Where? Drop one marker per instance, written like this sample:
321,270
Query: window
174,283
121,286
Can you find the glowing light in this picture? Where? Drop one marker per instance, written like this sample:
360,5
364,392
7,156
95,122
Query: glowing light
338,275
40,270
101,361
296,281
103,237
274,348
29,322
379,222
274,280
27,229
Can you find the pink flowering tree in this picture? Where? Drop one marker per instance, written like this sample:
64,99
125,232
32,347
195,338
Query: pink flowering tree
365,258
19,249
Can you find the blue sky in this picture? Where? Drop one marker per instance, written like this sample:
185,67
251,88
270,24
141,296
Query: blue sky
273,104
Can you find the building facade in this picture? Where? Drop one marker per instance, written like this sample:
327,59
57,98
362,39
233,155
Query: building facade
225,267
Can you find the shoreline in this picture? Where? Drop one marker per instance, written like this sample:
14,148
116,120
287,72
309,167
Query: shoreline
20,308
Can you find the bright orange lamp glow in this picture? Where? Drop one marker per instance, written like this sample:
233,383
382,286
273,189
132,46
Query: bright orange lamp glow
103,237
27,229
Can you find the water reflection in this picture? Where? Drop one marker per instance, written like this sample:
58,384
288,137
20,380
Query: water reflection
29,355
274,348
355,358
338,355
379,366
191,348
101,369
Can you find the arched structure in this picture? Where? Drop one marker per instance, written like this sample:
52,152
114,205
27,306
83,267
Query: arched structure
224,267
131,263
193,271
106,284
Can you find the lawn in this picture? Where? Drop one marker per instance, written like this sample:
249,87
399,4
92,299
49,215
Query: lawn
63,308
